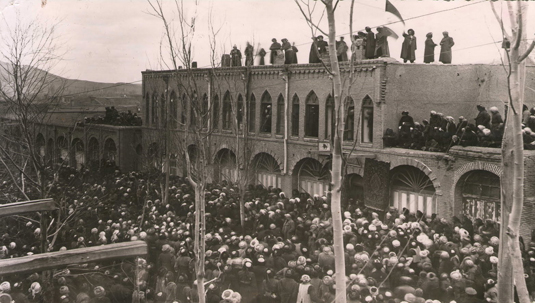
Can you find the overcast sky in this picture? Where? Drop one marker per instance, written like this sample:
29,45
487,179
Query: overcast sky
114,40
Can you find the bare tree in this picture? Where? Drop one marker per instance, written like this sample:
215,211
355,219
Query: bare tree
511,269
337,161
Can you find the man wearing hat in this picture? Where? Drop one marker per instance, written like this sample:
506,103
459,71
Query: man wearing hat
483,117
275,47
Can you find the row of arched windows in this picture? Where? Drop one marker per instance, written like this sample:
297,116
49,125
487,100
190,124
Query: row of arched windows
228,117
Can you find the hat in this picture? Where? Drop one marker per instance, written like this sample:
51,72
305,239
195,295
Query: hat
470,291
305,278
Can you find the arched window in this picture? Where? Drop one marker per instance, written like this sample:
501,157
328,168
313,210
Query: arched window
265,113
480,192
239,114
227,111
193,109
251,112
349,128
174,110
154,113
411,188
163,109
312,115
205,114
183,110
215,113
147,108
280,115
367,120
295,116
329,118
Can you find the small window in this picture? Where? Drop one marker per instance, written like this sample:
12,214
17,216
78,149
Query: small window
193,109
147,108
280,115
265,113
183,110
312,116
367,120
295,116
154,113
163,109
205,114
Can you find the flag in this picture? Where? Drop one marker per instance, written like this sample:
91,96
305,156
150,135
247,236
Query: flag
390,8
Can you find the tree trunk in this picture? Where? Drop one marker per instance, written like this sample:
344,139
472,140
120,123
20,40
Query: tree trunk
200,222
336,191
513,165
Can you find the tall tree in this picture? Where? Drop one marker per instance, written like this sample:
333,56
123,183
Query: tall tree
337,161
511,270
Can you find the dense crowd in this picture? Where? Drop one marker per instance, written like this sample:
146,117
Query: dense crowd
440,133
283,253
116,118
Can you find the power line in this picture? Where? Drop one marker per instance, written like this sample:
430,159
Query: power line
393,22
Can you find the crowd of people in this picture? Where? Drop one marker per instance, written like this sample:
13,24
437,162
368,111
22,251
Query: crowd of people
440,133
365,45
116,118
283,253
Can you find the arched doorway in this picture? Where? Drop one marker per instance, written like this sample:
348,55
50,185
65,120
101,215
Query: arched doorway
93,153
353,188
40,145
411,188
110,150
312,176
225,166
480,192
50,149
62,149
78,153
153,155
267,170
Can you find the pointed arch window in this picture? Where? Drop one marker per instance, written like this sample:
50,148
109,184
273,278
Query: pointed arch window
295,116
266,113
163,109
193,109
251,112
154,112
205,114
349,128
367,120
147,108
239,113
227,112
215,113
174,110
280,115
312,115
183,110
329,118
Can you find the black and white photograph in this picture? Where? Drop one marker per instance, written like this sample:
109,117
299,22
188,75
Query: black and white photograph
267,151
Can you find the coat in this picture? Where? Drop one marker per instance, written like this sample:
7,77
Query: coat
287,290
429,51
370,45
408,48
445,49
381,45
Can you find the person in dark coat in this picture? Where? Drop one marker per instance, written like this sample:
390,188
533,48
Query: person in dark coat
249,55
381,44
483,117
288,51
287,287
314,56
429,51
262,53
406,124
275,46
370,43
235,56
295,50
408,48
445,48
341,50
